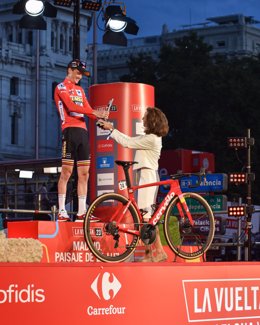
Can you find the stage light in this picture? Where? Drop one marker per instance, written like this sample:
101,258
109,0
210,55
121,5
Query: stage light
236,211
237,142
114,17
50,170
238,178
112,38
93,5
34,7
26,174
32,22
117,23
34,10
63,3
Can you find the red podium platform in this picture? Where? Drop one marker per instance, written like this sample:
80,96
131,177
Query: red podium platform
82,291
130,293
64,242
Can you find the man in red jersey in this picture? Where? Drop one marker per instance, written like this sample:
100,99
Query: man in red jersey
72,106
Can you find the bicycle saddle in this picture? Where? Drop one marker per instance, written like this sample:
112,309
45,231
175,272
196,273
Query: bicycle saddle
125,163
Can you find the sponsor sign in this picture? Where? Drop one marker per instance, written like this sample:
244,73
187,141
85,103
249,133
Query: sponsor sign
209,183
105,162
218,203
105,145
195,293
139,128
105,179
220,300
101,132
104,191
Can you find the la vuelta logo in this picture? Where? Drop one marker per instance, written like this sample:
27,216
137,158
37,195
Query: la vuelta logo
106,287
222,299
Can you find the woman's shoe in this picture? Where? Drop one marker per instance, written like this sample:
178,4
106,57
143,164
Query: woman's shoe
147,259
161,257
148,255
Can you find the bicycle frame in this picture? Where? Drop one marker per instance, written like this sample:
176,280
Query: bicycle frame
174,191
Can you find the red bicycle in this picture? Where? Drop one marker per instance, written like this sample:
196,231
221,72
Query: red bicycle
114,224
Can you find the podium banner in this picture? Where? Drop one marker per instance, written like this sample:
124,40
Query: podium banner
141,293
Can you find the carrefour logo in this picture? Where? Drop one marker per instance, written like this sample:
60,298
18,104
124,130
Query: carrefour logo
106,286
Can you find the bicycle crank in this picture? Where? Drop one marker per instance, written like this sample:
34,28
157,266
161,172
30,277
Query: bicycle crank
148,234
112,229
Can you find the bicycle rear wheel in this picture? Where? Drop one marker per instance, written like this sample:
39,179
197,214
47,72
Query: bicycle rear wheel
189,240
103,219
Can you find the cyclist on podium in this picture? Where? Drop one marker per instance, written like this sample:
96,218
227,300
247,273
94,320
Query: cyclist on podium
72,106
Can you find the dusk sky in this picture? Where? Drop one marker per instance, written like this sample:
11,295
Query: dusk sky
150,15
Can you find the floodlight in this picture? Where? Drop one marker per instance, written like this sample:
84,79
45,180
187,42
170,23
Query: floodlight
238,178
34,10
93,5
116,22
50,170
116,25
114,17
25,174
33,22
236,211
63,3
237,142
34,7
114,38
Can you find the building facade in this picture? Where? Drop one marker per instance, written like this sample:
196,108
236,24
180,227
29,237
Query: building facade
234,35
32,63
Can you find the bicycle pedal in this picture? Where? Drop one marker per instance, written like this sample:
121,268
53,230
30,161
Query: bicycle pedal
143,212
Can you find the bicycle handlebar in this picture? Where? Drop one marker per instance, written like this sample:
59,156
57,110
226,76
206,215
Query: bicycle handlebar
199,175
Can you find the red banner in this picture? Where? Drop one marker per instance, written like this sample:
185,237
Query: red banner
131,293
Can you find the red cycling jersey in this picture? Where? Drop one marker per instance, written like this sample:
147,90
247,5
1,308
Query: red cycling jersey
72,105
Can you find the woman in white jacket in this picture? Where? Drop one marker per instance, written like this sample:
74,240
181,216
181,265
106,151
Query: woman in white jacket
148,149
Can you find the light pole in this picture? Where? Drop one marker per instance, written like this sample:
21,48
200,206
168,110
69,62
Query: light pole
94,48
37,94
76,30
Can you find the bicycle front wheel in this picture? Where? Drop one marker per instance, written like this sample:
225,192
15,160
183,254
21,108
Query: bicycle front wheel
108,226
189,239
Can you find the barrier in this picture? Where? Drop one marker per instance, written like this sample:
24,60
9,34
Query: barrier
131,293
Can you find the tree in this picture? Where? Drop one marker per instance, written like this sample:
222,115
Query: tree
206,99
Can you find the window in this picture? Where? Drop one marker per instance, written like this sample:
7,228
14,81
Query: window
70,43
221,43
14,85
61,41
52,39
14,128
54,84
30,38
19,38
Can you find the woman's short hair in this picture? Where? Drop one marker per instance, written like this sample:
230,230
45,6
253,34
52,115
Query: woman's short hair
156,122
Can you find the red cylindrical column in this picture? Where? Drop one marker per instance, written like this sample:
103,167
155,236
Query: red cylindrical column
130,103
